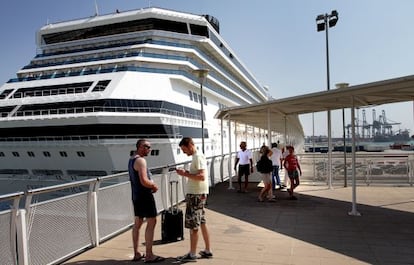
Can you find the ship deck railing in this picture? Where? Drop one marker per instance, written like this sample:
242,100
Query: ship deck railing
38,229
76,111
82,71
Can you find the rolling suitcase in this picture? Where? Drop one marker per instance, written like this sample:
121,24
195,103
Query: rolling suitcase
172,226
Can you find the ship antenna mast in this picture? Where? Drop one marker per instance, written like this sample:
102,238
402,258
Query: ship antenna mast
96,9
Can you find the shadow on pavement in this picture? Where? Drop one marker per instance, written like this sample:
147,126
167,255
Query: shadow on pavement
378,236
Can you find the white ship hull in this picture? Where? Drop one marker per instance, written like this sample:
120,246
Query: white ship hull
81,104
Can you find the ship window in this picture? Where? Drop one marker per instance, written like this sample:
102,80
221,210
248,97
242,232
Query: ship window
52,90
222,106
116,28
199,30
195,97
63,154
95,173
191,95
16,154
4,111
14,171
155,152
46,154
5,93
205,101
101,85
1,154
47,172
31,154
80,154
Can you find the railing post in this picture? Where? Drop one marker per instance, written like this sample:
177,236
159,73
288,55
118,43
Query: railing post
410,163
230,173
369,172
21,229
165,178
13,228
211,171
222,168
93,220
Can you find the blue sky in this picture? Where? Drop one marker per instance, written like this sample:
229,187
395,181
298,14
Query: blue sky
277,40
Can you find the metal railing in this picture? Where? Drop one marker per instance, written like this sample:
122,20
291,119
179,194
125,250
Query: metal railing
370,168
47,230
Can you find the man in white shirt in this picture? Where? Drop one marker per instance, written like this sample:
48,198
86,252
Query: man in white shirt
244,158
276,158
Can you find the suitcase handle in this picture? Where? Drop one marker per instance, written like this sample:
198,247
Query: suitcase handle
174,210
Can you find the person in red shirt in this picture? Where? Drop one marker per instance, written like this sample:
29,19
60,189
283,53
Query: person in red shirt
292,166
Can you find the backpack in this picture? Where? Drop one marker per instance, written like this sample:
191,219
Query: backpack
259,165
264,165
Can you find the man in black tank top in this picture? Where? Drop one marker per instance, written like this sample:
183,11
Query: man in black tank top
143,200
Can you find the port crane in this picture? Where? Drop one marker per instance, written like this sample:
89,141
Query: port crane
379,127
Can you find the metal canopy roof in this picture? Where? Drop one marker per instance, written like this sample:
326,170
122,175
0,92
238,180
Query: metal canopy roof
370,94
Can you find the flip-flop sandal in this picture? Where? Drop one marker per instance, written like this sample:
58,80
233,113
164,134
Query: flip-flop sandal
138,258
155,260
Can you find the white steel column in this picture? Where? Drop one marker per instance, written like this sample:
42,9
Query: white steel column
221,136
245,131
230,166
329,151
354,208
254,136
222,148
269,133
235,136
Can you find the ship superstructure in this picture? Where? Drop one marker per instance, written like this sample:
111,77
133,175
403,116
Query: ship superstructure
98,84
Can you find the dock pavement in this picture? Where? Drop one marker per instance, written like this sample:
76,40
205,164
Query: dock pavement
316,229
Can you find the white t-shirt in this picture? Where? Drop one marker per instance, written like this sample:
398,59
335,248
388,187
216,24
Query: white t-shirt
276,156
195,186
244,157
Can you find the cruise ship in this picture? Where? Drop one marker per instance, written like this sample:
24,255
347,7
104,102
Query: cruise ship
99,83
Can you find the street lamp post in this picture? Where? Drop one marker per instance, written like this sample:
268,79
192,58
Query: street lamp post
323,23
201,75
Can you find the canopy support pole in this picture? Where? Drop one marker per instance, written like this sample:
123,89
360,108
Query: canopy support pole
354,211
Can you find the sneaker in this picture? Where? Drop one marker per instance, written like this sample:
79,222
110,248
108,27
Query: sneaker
205,254
187,257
